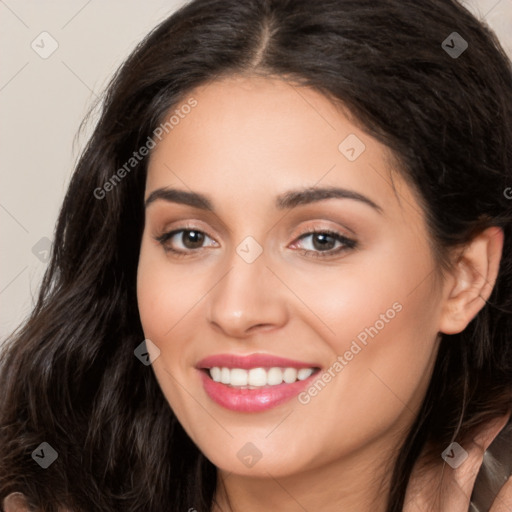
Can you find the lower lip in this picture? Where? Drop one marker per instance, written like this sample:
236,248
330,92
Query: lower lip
252,400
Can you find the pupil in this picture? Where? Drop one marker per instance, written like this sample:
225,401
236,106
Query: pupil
194,237
323,241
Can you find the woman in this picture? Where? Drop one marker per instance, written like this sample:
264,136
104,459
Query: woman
281,276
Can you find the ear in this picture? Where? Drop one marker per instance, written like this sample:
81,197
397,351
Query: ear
470,284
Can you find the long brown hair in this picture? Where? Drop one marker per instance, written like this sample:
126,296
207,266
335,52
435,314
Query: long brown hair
68,376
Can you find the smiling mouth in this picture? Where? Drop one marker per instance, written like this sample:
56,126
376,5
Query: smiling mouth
257,378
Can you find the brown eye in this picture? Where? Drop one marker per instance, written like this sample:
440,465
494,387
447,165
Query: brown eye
182,241
192,239
322,241
325,243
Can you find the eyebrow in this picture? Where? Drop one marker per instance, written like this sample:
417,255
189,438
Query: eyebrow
288,200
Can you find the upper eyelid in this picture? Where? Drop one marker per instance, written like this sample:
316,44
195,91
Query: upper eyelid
309,229
337,231
169,233
222,228
184,225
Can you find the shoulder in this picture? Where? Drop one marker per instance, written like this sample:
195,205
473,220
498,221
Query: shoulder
15,502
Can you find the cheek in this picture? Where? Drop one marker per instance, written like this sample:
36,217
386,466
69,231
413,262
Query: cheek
383,346
170,300
359,297
165,296
166,293
379,309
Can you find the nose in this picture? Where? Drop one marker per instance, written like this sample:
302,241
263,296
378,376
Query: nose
249,298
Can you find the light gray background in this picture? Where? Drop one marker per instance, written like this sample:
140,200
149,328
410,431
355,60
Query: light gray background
43,101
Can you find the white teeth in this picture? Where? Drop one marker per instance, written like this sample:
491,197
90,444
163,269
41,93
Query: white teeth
215,374
274,376
303,373
239,377
225,376
290,375
258,377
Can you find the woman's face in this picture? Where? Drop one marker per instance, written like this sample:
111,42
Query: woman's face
252,286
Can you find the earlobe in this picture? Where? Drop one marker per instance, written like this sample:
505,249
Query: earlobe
472,281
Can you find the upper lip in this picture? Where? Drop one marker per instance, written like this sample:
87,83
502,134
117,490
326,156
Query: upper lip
251,361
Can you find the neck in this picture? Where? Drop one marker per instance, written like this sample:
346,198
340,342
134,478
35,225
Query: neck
359,482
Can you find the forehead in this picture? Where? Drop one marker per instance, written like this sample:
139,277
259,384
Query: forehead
249,139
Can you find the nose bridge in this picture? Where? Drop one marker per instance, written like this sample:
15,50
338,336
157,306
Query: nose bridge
248,295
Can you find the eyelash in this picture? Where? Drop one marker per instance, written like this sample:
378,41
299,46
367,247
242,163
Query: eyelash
348,243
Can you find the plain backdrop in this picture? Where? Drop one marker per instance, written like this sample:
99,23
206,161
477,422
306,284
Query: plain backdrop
56,59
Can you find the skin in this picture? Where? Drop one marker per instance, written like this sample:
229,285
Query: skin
247,141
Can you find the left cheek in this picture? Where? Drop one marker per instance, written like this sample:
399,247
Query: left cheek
397,362
384,334
355,309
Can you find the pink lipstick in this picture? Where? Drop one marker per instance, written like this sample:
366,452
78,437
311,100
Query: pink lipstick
254,383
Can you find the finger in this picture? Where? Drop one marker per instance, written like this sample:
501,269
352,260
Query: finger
487,435
447,487
503,501
462,479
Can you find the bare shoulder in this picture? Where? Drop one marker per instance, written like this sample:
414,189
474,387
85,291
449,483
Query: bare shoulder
15,502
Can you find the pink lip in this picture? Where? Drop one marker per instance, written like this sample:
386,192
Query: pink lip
252,361
252,400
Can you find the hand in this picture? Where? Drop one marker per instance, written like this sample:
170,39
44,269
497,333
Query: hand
440,488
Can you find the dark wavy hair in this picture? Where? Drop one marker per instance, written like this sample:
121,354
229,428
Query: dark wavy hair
68,374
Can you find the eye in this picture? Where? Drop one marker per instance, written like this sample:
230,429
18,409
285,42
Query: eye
183,241
323,243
